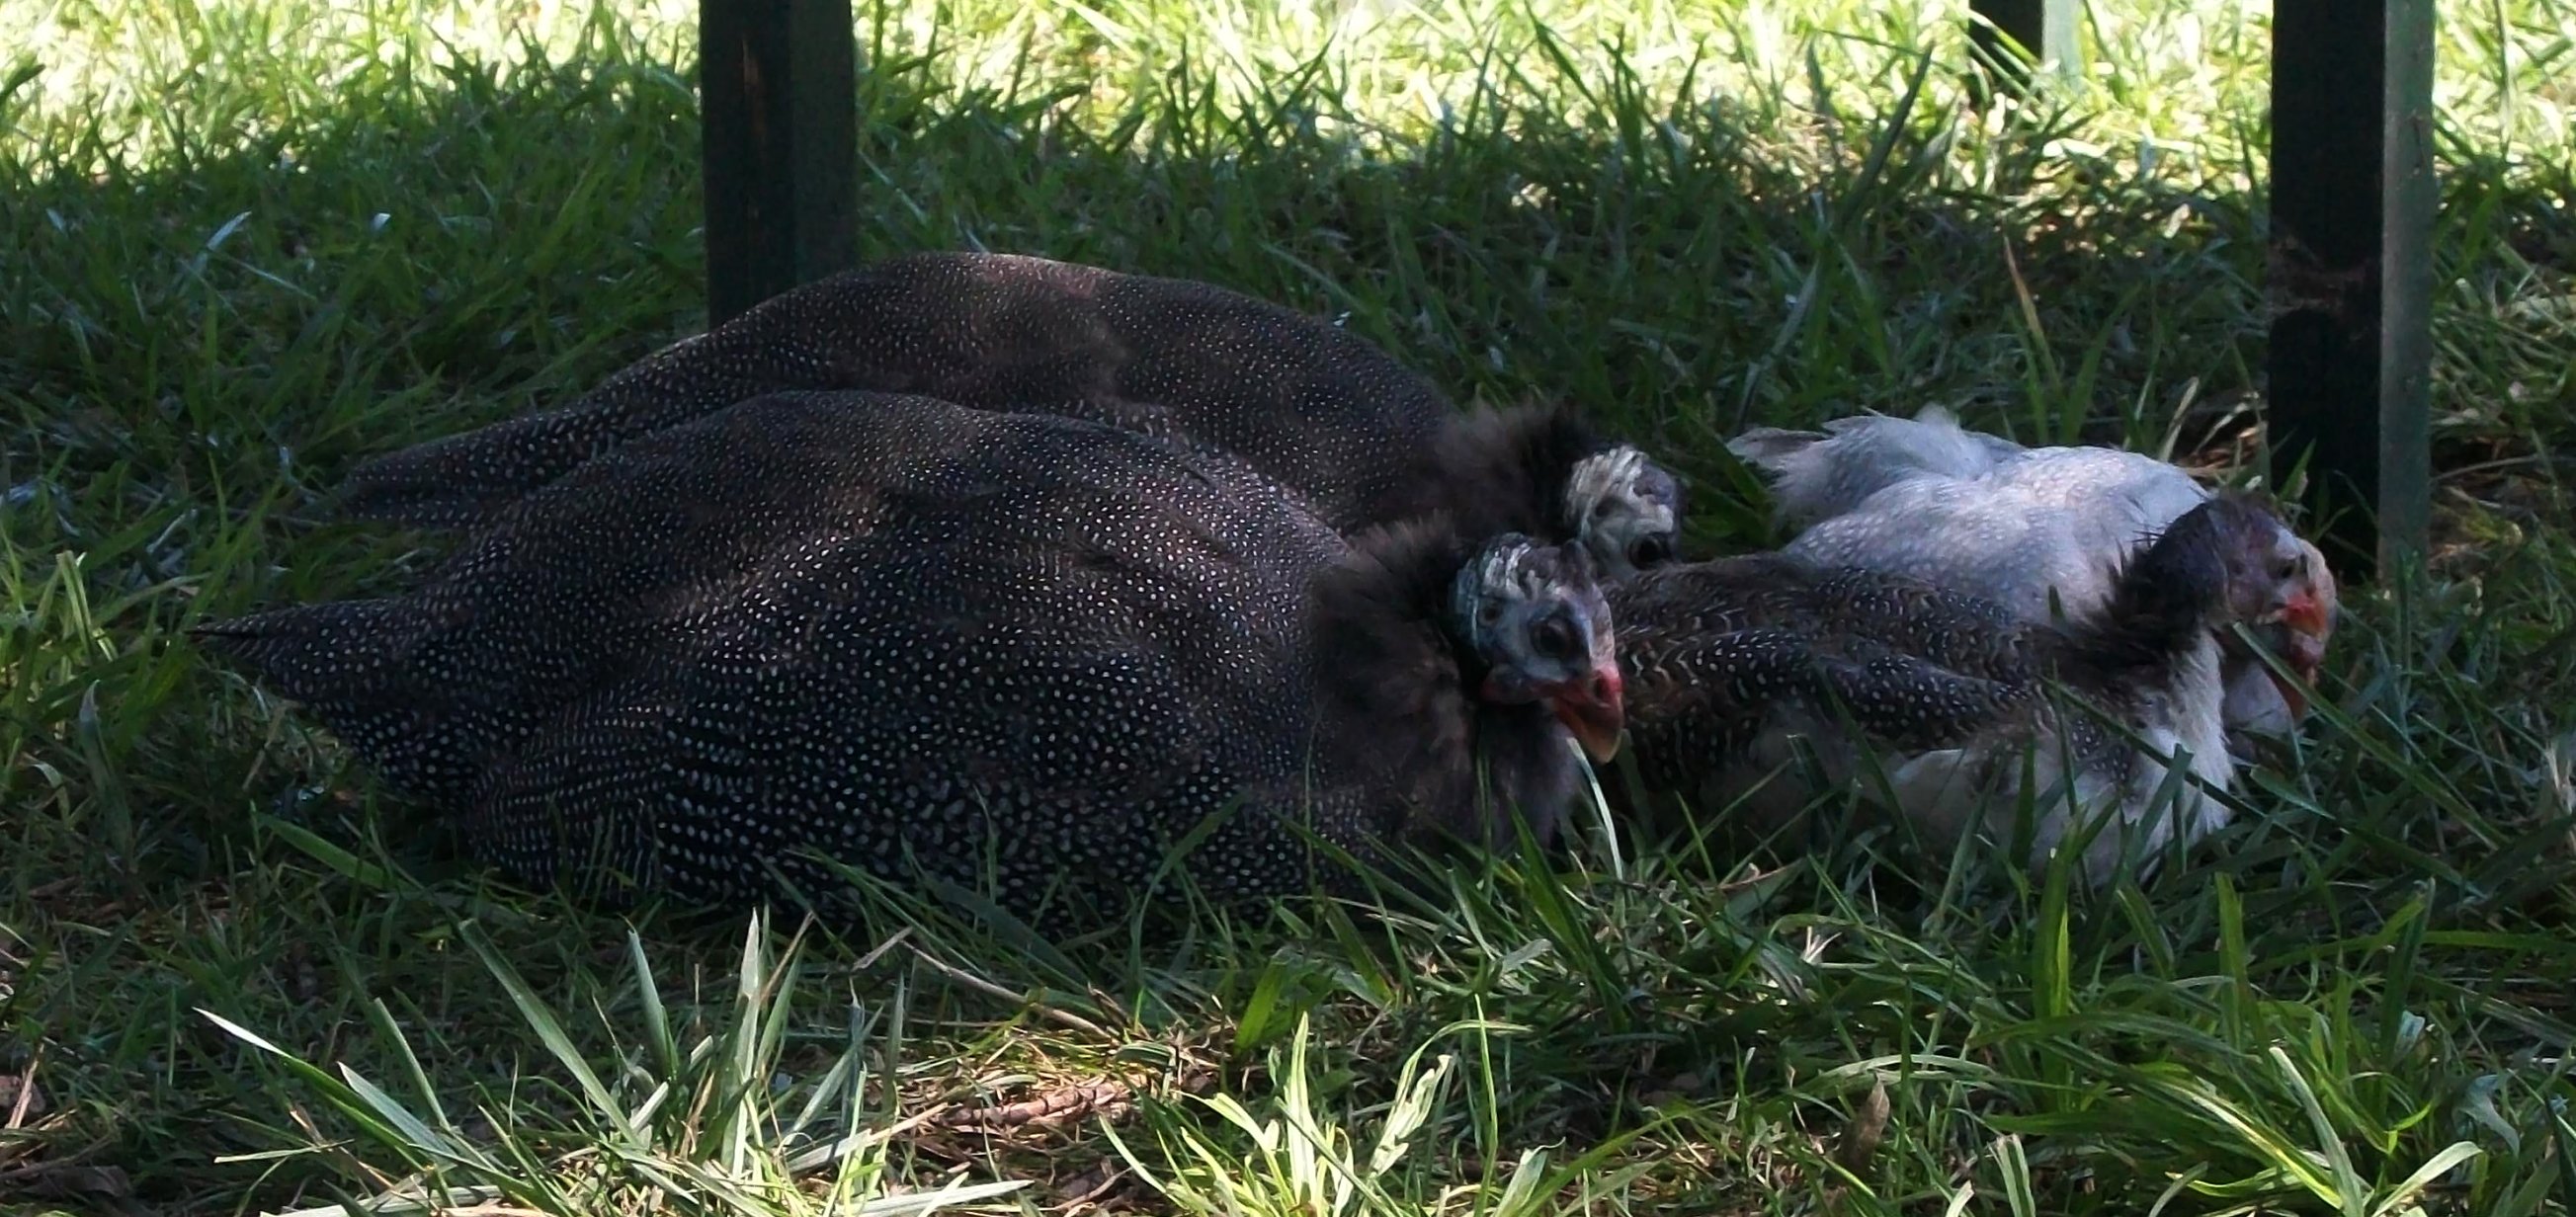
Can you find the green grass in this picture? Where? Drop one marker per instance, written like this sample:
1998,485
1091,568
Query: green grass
244,245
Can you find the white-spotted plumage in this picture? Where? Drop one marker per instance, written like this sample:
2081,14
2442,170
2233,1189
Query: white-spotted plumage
905,633
1306,403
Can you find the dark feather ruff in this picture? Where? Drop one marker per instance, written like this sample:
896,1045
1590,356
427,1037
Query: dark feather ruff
2171,591
1504,470
1396,694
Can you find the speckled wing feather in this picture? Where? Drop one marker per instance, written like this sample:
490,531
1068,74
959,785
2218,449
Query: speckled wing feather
898,631
637,554
1724,657
1709,703
1745,671
1304,402
819,596
1833,606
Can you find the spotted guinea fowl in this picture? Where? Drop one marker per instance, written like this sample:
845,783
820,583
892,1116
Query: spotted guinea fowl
1770,678
895,631
1303,402
1982,514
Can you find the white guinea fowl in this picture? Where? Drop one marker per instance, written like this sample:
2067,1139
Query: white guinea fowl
1981,514
1758,683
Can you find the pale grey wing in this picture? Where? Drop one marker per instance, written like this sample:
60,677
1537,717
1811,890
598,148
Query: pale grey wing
1964,538
2047,529
1820,475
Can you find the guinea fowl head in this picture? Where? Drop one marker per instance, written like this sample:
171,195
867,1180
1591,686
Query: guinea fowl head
1451,667
1536,623
2231,561
2299,620
1540,469
1626,508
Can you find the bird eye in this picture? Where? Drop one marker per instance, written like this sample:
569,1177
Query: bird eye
1552,639
2291,567
1647,551
1488,613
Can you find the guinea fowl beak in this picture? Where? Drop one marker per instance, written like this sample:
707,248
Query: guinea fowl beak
1593,711
2304,647
2306,614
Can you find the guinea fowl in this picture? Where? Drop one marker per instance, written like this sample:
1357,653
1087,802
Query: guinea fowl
1305,403
1731,664
897,631
1980,514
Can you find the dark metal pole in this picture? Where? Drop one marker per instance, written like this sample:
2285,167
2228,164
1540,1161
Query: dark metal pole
2046,28
2350,269
778,97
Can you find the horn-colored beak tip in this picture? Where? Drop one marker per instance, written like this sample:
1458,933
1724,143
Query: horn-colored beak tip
1594,712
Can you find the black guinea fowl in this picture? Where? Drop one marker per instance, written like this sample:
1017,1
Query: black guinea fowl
900,632
1311,406
1770,680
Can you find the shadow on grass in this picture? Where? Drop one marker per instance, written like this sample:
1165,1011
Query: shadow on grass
194,350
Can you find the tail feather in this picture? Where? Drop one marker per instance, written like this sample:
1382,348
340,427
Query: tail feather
345,662
449,484
1817,475
313,652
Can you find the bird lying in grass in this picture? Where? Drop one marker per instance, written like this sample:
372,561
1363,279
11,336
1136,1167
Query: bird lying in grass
1932,701
1305,403
2024,527
901,633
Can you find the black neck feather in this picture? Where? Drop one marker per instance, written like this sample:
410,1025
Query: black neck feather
2170,593
1396,691
1505,470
